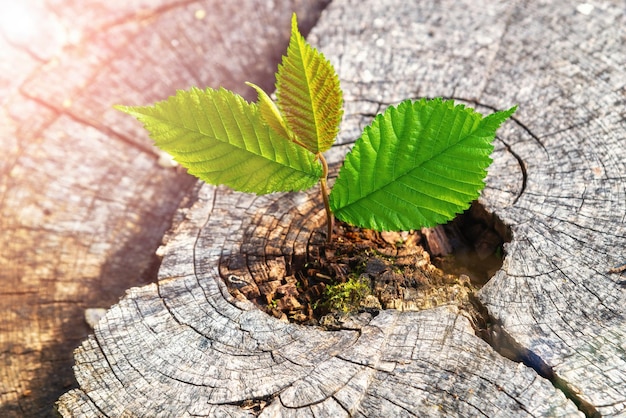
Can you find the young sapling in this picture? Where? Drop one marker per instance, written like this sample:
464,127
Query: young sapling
418,164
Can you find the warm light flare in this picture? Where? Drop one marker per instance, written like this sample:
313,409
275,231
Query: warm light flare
30,25
17,22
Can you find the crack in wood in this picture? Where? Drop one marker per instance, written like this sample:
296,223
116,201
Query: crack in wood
493,333
555,83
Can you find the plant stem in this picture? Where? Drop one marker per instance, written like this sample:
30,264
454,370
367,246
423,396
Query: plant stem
330,219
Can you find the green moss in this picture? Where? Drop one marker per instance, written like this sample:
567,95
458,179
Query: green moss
346,297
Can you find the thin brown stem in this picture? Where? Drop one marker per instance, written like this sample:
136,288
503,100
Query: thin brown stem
330,219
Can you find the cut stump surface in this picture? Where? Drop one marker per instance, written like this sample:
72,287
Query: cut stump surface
184,346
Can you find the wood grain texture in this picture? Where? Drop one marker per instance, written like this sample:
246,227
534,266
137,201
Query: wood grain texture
557,181
555,294
84,202
206,353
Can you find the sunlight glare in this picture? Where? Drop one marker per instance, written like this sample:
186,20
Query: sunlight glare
16,22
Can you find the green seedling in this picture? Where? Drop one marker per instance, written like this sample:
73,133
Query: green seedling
416,165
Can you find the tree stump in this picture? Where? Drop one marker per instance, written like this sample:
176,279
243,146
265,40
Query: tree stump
185,346
84,200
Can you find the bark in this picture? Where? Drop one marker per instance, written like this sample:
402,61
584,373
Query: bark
184,346
84,201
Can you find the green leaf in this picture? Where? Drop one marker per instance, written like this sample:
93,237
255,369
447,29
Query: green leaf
308,92
416,165
222,139
270,113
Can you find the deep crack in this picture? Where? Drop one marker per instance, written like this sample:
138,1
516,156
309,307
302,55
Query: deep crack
490,330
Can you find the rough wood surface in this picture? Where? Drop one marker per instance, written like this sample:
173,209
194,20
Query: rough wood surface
555,294
184,346
205,353
84,202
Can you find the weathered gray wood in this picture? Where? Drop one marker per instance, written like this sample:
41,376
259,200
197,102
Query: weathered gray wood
557,181
555,294
84,202
205,353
